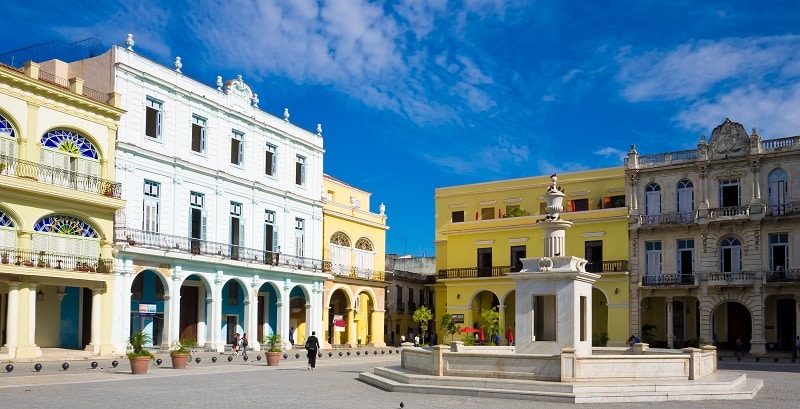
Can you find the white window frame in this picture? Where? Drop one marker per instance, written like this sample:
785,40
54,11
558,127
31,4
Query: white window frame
151,206
237,136
273,150
652,258
203,124
300,171
158,106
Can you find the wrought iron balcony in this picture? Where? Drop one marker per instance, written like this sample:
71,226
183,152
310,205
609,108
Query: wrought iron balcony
360,273
225,251
791,275
57,261
607,266
785,209
668,280
668,218
10,166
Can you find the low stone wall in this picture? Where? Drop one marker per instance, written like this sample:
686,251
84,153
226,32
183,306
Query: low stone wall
636,363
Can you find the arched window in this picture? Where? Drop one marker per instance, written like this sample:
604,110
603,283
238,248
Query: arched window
8,232
652,199
67,235
778,187
365,258
685,201
68,151
340,254
730,253
8,138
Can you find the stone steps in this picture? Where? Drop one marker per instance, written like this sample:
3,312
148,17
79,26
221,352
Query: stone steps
720,386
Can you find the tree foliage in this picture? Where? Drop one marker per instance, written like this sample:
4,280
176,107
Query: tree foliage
491,322
448,326
422,316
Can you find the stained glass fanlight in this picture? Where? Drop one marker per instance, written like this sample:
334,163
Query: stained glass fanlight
5,221
6,128
364,244
66,225
70,142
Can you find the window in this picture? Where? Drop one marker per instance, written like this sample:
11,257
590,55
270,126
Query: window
578,205
685,256
197,220
487,213
517,254
458,217
730,250
652,251
685,203
778,251
729,192
399,292
233,293
8,141
237,148
652,199
613,201
593,250
269,159
777,192
300,171
270,231
153,116
237,229
198,134
151,206
299,236
485,262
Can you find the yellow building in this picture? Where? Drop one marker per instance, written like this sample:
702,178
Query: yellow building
484,229
355,247
57,205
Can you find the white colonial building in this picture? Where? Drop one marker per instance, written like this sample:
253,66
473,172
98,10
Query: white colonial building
223,224
714,233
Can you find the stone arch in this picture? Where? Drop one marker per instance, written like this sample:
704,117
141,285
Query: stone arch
142,291
340,238
749,300
364,243
83,140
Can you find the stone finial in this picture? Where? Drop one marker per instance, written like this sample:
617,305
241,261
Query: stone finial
129,42
702,138
382,209
286,114
633,150
254,100
219,82
178,64
755,132
319,129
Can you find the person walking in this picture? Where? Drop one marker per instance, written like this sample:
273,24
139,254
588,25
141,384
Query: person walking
739,347
235,344
291,336
243,341
312,346
796,349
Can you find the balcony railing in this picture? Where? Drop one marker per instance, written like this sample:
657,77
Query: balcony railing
473,272
791,275
739,277
784,209
607,266
412,306
11,166
361,273
57,261
669,218
668,280
731,211
225,251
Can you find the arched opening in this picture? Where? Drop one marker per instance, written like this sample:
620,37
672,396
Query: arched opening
731,321
233,311
599,318
338,311
147,312
267,315
297,315
483,300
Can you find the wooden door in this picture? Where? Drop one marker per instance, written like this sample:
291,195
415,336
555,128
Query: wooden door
189,316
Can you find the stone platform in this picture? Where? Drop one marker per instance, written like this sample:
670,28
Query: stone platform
718,386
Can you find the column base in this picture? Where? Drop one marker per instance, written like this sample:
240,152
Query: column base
103,350
30,352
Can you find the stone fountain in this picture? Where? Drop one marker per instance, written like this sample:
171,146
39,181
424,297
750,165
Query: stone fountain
553,359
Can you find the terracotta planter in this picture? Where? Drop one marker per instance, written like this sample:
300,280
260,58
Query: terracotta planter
139,364
273,358
179,360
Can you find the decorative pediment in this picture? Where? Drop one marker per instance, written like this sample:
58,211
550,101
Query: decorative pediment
237,87
729,139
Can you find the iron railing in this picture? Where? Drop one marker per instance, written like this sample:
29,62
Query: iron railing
50,175
361,273
791,275
733,277
226,251
473,272
57,261
669,218
783,209
668,279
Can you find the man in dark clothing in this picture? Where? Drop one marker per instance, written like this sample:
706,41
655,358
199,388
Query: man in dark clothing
312,345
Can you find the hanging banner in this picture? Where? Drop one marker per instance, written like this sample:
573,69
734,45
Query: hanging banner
147,310
338,323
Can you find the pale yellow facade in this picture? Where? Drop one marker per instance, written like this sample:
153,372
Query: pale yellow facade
57,205
354,245
476,247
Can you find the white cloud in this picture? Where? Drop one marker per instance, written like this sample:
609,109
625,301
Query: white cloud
611,152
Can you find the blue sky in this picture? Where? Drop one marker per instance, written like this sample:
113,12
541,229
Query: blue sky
421,94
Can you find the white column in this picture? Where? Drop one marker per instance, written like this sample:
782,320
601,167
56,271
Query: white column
121,322
284,308
12,319
97,314
217,340
251,314
670,334
32,313
174,334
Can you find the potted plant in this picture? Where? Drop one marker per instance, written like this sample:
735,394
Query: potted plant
180,354
273,343
140,358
